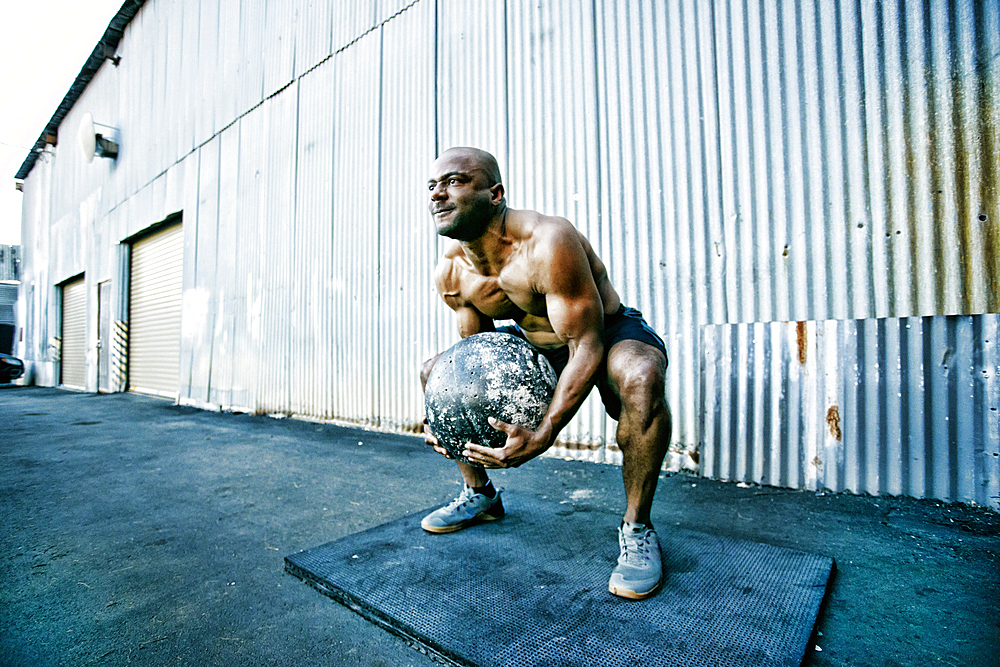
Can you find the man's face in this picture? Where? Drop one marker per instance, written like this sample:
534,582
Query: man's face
460,199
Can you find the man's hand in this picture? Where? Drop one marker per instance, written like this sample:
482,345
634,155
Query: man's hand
430,439
522,445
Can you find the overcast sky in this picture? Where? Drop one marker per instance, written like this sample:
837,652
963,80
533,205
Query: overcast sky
46,43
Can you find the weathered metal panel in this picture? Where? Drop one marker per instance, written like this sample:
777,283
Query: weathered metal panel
201,282
408,301
859,158
230,66
313,345
226,368
351,20
278,217
469,44
313,34
891,406
247,305
278,53
253,34
355,270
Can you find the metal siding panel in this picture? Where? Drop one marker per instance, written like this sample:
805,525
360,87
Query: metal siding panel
278,46
200,306
252,43
468,44
225,364
351,20
312,34
247,307
388,10
408,300
312,345
874,123
188,15
277,257
908,405
74,334
206,77
228,74
355,232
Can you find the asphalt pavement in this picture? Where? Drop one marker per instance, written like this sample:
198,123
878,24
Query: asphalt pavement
137,532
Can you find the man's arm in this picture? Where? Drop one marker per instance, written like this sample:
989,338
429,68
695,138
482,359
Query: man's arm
561,271
470,321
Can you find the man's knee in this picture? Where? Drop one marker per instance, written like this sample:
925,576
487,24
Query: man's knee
639,378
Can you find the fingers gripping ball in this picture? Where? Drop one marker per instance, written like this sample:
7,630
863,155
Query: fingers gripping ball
482,376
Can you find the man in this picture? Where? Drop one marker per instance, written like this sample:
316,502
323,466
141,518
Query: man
540,272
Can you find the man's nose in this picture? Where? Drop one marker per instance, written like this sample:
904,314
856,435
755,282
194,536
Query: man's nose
439,192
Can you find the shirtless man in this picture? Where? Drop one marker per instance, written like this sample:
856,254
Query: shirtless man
540,272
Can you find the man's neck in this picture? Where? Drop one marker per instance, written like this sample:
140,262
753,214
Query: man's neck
489,252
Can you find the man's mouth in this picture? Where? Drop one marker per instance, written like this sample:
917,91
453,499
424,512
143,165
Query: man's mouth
437,211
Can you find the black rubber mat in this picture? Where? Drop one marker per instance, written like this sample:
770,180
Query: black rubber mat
532,590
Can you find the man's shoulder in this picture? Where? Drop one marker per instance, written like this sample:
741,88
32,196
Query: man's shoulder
545,234
536,226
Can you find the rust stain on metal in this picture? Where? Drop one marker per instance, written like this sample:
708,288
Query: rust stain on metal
833,421
816,462
802,339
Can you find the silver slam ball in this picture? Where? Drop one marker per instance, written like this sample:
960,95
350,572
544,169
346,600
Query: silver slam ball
486,375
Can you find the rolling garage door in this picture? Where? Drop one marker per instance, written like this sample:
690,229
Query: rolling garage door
73,369
155,313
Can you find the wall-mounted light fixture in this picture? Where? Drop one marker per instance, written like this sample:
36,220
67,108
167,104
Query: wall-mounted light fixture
97,139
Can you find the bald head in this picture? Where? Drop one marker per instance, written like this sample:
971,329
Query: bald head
475,160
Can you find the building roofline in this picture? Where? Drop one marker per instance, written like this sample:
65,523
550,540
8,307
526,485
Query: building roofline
104,50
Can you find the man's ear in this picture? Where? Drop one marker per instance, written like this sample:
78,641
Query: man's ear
497,193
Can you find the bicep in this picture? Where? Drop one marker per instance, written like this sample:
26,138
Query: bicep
572,300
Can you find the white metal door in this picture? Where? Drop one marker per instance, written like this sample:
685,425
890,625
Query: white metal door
155,313
74,328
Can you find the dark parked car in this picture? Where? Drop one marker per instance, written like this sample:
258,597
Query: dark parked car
11,368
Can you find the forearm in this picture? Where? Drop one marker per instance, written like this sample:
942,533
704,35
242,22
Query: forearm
574,385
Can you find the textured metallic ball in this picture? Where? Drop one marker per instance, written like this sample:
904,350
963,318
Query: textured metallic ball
486,375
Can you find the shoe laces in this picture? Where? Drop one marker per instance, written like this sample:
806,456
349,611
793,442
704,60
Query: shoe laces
464,497
634,544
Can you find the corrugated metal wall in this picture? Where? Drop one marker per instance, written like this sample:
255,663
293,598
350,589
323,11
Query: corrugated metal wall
738,166
897,405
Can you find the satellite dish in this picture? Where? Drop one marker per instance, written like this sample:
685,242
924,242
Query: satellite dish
88,137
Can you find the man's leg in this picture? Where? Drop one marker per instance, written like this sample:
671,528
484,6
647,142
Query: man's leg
637,374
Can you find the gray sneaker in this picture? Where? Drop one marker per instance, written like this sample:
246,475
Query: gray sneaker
637,575
469,508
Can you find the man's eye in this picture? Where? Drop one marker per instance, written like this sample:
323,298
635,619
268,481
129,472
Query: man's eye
453,181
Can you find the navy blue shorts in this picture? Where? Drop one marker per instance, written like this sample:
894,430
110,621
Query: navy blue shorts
626,324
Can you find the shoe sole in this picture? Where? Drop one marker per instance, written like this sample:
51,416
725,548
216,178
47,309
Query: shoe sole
630,594
479,518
